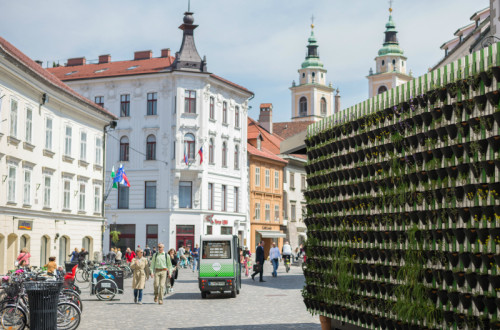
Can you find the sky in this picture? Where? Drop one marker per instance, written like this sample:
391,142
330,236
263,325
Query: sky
259,44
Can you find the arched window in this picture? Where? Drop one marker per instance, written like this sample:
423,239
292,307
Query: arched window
212,107
211,151
189,145
25,242
381,89
236,157
124,147
44,250
224,154
323,106
86,244
151,147
63,248
303,107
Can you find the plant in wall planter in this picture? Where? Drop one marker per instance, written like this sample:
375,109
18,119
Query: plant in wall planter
459,277
452,89
481,102
466,300
474,81
486,77
471,278
468,106
454,297
493,97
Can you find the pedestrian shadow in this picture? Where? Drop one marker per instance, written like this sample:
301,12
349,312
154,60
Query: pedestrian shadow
284,282
258,327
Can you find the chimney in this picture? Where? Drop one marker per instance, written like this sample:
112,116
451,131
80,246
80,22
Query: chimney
165,52
143,55
76,61
104,58
39,62
337,102
266,116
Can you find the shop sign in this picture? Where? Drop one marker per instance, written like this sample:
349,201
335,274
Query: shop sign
267,228
25,225
210,218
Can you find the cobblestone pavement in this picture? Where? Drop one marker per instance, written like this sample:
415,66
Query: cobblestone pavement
275,304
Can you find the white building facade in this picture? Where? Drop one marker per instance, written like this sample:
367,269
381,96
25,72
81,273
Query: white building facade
51,164
172,113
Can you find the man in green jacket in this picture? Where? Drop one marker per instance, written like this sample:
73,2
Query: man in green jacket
160,264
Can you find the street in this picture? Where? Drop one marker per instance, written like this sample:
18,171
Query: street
274,304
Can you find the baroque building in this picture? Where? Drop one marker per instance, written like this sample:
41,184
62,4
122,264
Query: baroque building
181,137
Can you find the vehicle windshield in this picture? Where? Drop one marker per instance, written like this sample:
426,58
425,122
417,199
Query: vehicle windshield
216,250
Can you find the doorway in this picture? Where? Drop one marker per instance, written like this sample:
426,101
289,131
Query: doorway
184,236
3,269
44,250
63,249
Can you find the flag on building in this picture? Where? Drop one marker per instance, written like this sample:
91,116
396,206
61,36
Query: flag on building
121,177
113,174
200,152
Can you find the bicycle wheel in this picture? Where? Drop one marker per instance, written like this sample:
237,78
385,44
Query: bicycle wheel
13,317
68,315
81,276
106,289
73,297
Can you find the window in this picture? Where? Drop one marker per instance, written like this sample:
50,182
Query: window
83,146
99,100
125,105
268,178
185,194
190,102
81,197
223,198
189,146
276,180
152,100
237,117
11,190
216,249
212,107
302,182
27,188
236,199
151,147
224,112
98,151
29,125
123,193
257,211
67,195
302,107
292,180
225,230
46,191
67,141
13,118
382,89
211,151
323,106
150,195
209,230
224,154
292,211
97,199
258,143
124,147
210,196
236,157
268,212
257,176
48,134
276,212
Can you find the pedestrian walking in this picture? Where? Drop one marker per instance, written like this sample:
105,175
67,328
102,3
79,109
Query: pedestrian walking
287,253
23,259
160,264
274,255
259,261
74,256
81,257
182,256
129,255
173,271
147,251
118,258
154,251
246,255
141,272
195,255
111,257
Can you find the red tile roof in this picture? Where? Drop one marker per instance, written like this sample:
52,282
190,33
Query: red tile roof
123,68
270,141
291,128
263,152
37,70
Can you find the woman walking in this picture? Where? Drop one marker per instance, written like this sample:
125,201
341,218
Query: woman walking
139,266
173,271
23,259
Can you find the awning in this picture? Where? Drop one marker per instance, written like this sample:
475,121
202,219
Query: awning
271,234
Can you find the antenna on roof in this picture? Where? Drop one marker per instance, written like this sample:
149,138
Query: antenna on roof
189,5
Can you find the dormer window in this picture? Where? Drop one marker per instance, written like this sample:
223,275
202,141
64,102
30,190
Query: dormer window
258,143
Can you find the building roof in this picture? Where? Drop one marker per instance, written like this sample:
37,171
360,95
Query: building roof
48,78
479,12
264,153
269,141
290,128
266,105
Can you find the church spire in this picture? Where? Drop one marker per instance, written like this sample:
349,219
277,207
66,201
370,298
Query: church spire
312,58
391,43
188,58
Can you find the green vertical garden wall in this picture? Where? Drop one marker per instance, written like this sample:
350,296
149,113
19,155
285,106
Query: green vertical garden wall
403,204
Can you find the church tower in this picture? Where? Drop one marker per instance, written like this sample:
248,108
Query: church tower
390,63
312,98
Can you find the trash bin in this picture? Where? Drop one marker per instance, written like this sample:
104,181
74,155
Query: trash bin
43,298
69,266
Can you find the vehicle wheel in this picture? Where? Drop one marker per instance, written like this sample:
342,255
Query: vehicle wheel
79,276
233,294
68,316
203,295
106,289
73,297
13,317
